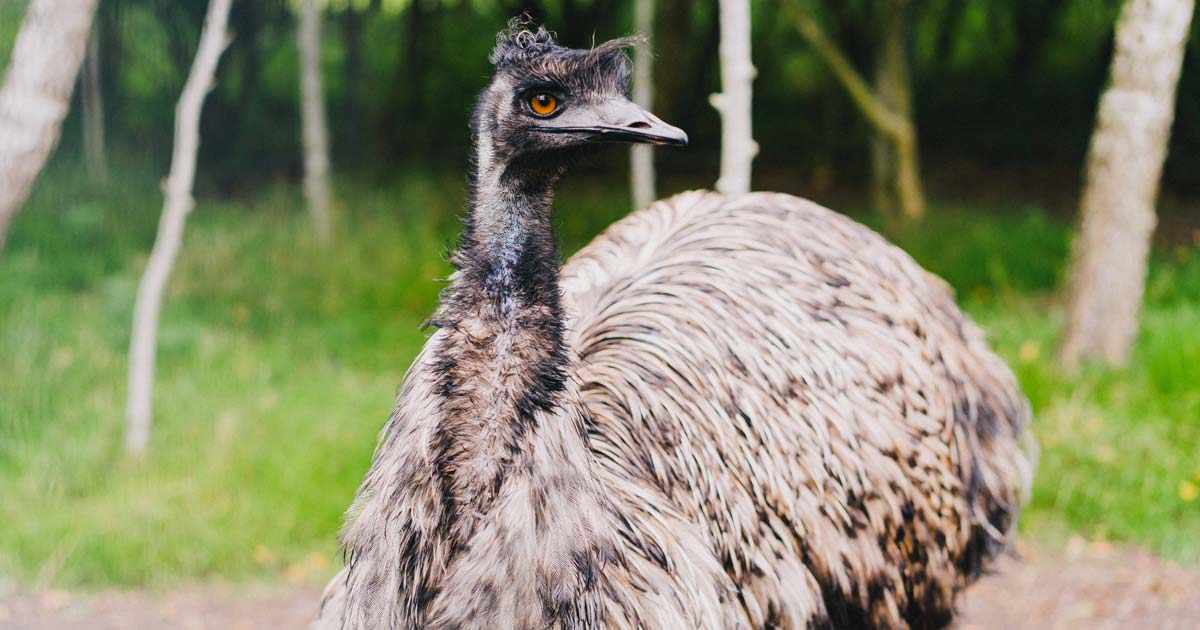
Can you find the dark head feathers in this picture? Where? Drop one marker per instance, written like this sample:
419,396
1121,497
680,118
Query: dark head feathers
523,42
519,44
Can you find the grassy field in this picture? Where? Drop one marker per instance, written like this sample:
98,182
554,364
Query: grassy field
278,364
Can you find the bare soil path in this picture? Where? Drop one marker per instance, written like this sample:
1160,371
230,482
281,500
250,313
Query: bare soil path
1089,587
1094,586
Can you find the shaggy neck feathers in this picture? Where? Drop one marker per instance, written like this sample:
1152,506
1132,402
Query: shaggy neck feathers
519,512
482,508
503,360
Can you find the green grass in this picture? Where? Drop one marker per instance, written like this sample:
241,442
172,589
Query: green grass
278,364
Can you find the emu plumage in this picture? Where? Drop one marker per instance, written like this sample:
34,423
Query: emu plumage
744,412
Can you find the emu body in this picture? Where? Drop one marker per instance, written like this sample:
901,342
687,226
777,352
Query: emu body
744,412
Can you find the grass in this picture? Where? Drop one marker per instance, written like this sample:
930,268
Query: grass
277,365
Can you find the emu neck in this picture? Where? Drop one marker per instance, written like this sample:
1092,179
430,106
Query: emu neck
502,365
508,252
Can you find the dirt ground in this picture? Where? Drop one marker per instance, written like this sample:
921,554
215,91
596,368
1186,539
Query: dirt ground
1094,586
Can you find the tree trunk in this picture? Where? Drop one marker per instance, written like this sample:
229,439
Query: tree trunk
110,18
37,94
352,45
734,102
316,134
1124,165
641,156
407,100
352,62
248,23
948,26
890,120
892,86
1034,23
92,100
176,206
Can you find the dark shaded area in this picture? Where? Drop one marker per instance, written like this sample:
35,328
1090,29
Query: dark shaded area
1005,91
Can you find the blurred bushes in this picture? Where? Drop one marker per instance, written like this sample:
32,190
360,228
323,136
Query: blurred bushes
278,365
1009,84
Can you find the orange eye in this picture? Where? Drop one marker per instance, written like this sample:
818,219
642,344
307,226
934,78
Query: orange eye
543,104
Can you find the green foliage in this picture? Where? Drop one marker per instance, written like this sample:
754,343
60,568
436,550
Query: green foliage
1008,251
999,83
277,365
11,12
1118,447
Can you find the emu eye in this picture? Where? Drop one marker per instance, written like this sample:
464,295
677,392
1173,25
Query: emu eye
543,104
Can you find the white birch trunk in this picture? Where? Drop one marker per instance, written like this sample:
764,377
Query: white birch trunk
176,206
92,101
641,156
737,76
36,94
315,133
1124,165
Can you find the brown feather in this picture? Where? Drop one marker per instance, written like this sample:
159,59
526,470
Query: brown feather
772,418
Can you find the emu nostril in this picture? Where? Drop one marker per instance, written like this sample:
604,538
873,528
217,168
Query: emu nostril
639,125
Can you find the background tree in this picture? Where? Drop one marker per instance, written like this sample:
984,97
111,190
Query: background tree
1124,165
254,325
37,93
91,100
734,102
641,157
887,107
177,205
893,85
316,133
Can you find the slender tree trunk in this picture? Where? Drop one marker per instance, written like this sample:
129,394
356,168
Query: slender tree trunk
892,86
734,102
109,20
316,134
641,157
893,122
1124,165
92,100
176,206
352,45
883,170
36,94
406,99
248,24
676,33
948,27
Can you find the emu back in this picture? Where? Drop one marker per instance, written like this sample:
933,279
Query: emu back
808,397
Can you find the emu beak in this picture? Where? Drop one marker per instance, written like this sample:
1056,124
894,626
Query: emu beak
615,120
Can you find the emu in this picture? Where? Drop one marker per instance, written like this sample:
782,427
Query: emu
726,412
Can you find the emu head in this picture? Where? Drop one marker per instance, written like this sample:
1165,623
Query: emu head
546,102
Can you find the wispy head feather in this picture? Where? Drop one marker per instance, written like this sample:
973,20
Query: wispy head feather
521,42
524,41
610,56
